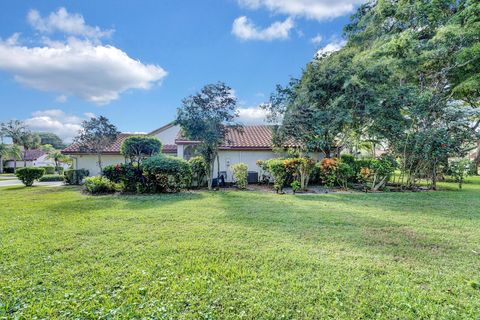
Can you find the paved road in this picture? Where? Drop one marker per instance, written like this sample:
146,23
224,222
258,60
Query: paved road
7,183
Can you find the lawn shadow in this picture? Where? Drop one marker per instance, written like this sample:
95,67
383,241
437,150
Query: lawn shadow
332,221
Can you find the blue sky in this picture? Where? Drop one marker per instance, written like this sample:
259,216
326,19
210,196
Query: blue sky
134,61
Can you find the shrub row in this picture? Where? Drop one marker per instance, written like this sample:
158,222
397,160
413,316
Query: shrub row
51,177
156,174
75,177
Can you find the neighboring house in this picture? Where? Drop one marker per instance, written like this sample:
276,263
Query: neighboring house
247,145
33,158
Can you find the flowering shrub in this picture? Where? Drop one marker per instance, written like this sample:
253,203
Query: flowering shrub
129,176
240,173
328,171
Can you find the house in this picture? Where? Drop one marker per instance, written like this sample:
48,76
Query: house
33,158
247,145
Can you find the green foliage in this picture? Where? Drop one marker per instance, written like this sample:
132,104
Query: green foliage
51,177
345,173
51,139
240,174
459,170
96,135
264,172
49,169
75,177
129,176
138,148
99,185
381,169
166,174
295,186
206,117
276,167
29,175
407,78
199,171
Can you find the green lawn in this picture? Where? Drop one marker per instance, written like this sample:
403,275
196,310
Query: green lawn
239,255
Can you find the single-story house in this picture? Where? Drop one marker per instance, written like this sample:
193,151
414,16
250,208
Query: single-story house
247,145
33,158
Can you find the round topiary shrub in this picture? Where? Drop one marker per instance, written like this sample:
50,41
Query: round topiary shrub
29,175
240,173
166,174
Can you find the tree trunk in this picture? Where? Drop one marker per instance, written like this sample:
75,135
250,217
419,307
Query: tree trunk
24,158
218,171
210,174
15,165
434,176
1,164
477,158
100,161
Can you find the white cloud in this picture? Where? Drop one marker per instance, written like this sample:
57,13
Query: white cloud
252,115
311,9
317,39
61,98
62,21
95,73
245,29
331,47
84,68
66,126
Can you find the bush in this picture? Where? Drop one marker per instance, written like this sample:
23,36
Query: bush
29,175
295,186
240,173
8,170
139,148
129,176
166,174
344,173
75,177
51,177
381,170
328,171
199,171
49,169
276,167
99,185
59,170
264,176
459,170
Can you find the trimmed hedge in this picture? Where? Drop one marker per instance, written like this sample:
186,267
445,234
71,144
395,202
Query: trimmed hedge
240,173
8,170
166,174
51,177
49,169
29,175
99,185
129,176
75,177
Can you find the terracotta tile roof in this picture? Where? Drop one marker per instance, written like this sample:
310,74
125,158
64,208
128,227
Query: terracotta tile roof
115,147
169,148
248,137
32,155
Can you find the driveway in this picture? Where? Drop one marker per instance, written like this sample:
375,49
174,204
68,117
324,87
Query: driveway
8,183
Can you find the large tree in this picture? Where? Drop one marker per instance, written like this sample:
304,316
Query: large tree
408,76
95,136
51,139
206,117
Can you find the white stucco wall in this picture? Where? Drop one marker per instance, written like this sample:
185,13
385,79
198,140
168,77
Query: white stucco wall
40,162
168,136
249,157
90,162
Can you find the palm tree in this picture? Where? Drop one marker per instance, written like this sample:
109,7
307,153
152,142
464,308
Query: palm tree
29,141
58,157
16,153
3,153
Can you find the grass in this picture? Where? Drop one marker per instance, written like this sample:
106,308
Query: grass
234,255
